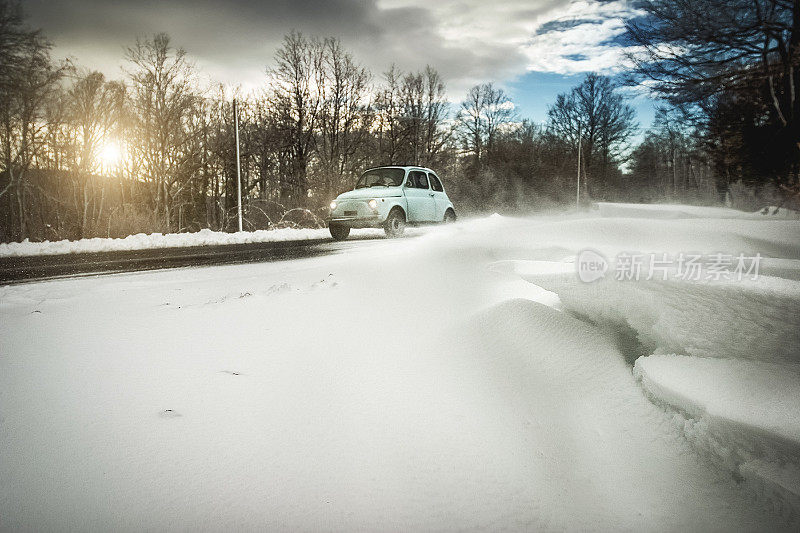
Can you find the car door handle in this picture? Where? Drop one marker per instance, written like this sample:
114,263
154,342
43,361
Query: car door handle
431,195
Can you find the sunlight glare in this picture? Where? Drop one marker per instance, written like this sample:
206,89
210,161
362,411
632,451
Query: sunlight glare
110,154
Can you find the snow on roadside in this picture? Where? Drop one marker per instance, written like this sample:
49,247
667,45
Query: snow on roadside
207,237
141,241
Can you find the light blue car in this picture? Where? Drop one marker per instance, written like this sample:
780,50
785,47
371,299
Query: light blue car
391,198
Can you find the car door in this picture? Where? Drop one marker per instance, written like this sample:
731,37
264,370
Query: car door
421,203
439,197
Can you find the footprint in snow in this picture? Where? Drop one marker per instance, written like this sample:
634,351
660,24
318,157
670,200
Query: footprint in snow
169,413
277,289
231,372
325,283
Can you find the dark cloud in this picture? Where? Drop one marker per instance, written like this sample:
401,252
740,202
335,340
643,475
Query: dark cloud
234,41
239,35
576,57
561,25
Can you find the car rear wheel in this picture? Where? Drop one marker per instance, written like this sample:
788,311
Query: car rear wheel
339,231
449,216
395,223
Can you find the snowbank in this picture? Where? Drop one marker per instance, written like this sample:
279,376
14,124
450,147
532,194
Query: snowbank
751,397
743,412
677,211
726,358
726,355
140,241
563,237
754,319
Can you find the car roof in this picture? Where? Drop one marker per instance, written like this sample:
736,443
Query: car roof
404,167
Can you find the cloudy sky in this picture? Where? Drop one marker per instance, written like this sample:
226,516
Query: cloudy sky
533,48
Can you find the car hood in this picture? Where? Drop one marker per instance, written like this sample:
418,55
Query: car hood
371,192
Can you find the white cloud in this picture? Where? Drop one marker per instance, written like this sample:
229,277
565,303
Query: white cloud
578,49
558,36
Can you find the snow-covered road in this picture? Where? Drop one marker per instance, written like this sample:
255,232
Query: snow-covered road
419,384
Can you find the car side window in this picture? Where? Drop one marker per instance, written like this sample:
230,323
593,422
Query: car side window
421,179
436,185
410,181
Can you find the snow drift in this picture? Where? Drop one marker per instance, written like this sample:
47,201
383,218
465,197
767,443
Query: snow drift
725,354
676,211
415,384
757,320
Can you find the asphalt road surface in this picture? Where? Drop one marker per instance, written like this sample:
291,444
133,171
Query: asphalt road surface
33,268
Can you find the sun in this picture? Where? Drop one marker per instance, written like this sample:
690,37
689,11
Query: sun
110,154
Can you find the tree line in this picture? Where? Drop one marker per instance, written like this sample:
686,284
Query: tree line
727,73
83,156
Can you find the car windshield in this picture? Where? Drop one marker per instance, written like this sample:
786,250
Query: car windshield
381,177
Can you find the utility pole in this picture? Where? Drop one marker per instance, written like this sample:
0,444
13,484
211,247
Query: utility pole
578,188
238,164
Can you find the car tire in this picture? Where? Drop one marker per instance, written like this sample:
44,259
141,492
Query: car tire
395,223
339,232
449,216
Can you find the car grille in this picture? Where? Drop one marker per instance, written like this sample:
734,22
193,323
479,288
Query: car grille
350,213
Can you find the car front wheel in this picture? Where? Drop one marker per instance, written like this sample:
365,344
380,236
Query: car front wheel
449,216
339,232
395,223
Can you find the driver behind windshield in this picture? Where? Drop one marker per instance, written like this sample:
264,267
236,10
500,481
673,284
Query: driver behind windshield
381,177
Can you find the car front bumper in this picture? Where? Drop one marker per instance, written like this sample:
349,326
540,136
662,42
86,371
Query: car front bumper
357,222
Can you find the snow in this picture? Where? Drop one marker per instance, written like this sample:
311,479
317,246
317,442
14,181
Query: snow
726,355
141,241
746,412
207,237
759,398
676,211
751,319
462,379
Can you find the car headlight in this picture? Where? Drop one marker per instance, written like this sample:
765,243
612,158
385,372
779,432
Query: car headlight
333,205
373,204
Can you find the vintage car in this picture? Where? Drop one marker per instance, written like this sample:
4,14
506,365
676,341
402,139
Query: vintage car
391,198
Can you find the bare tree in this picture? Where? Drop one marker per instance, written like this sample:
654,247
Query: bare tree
343,123
604,121
162,102
411,113
435,135
699,54
28,80
93,111
296,100
388,108
483,113
424,109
